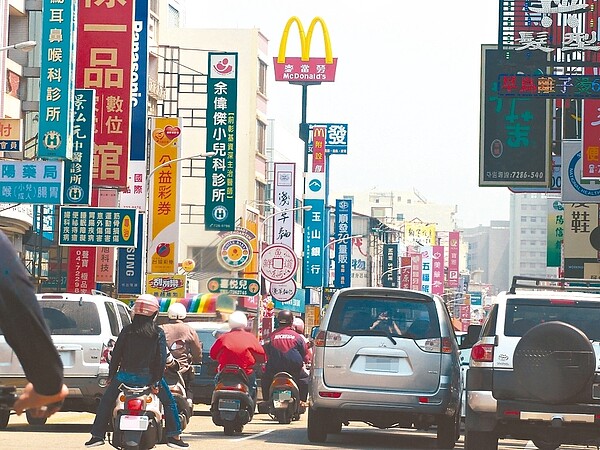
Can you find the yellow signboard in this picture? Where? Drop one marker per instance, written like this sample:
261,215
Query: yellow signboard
10,135
160,285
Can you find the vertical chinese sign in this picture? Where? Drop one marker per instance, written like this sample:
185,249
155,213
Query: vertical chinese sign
405,270
343,246
104,62
453,258
163,236
221,118
437,270
283,198
57,79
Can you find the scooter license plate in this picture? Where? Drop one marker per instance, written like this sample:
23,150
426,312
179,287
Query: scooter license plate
282,396
226,404
133,423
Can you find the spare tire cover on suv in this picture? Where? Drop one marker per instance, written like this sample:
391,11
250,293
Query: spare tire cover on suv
553,361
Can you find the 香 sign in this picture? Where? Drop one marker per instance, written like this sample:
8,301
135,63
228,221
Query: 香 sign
108,227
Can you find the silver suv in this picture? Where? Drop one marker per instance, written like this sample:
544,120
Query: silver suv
84,327
535,371
389,358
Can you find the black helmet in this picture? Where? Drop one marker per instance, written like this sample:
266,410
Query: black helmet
285,317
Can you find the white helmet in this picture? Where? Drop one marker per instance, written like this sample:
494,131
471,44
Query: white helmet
238,319
177,311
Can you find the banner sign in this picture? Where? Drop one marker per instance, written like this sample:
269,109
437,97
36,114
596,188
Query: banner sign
111,227
305,68
426,267
336,137
343,246
104,63
134,196
360,259
405,270
555,232
221,118
515,142
233,286
284,188
437,270
389,267
78,171
129,264
57,78
549,86
163,227
106,257
574,188
419,233
171,286
82,270
31,181
453,258
10,135
318,155
314,230
416,269
139,83
590,153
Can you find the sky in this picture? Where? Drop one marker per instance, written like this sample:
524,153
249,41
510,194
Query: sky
407,84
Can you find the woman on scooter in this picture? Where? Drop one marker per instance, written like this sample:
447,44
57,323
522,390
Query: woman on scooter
139,358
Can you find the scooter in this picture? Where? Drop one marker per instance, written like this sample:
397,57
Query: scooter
138,419
178,388
232,406
284,399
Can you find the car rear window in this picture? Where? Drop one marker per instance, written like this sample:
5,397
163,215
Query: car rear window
524,314
414,318
71,318
207,338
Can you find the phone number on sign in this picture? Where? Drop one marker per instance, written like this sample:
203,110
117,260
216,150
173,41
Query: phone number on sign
516,175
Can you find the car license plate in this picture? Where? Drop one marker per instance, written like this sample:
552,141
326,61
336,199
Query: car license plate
381,364
226,404
66,357
133,423
282,396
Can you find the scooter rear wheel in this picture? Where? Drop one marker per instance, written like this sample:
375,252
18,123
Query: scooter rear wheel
229,429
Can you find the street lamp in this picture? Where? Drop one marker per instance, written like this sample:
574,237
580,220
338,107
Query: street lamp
183,158
24,46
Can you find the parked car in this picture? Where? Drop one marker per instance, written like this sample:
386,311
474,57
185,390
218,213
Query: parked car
535,373
389,358
466,340
84,327
204,376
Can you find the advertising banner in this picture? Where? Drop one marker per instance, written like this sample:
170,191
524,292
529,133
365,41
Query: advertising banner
10,135
31,181
139,83
130,264
104,63
284,188
360,260
82,270
405,270
318,154
453,258
221,118
57,78
416,271
78,171
437,270
418,233
163,233
515,141
343,246
426,267
389,268
305,68
314,231
134,196
112,227
171,286
574,188
555,233
336,137
106,256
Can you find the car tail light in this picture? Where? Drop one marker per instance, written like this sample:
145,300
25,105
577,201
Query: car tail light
232,387
327,394
330,339
482,353
423,400
435,345
135,404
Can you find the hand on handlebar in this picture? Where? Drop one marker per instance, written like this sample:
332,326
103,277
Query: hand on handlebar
38,405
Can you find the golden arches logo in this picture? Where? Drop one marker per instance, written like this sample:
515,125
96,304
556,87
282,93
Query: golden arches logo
318,132
305,39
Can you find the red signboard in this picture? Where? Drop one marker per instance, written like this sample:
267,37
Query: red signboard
82,270
405,263
590,155
453,258
416,271
104,60
318,154
437,270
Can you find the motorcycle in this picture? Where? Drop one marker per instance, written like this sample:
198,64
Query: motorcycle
232,406
138,419
178,388
284,399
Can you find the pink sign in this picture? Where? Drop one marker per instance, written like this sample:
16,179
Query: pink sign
295,69
453,258
437,270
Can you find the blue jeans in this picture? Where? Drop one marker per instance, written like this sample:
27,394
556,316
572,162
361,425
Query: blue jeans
103,413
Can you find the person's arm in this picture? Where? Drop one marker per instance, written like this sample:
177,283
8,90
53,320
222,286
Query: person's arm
24,329
259,352
116,355
195,346
215,349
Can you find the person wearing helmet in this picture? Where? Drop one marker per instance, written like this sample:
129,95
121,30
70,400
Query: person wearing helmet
286,351
239,347
298,325
139,358
183,342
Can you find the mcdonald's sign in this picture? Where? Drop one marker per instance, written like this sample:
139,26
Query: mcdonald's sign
305,68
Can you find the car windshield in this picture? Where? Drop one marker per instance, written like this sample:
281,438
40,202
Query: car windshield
71,318
363,315
524,314
207,338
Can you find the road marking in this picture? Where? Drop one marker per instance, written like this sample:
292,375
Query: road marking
262,433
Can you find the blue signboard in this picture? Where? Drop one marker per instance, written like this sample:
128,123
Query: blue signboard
343,246
314,241
105,227
476,298
31,182
129,270
57,79
296,304
139,83
78,171
389,269
336,137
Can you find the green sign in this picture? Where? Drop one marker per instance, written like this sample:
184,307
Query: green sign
245,287
98,227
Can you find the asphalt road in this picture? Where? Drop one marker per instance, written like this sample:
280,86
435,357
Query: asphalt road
66,431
